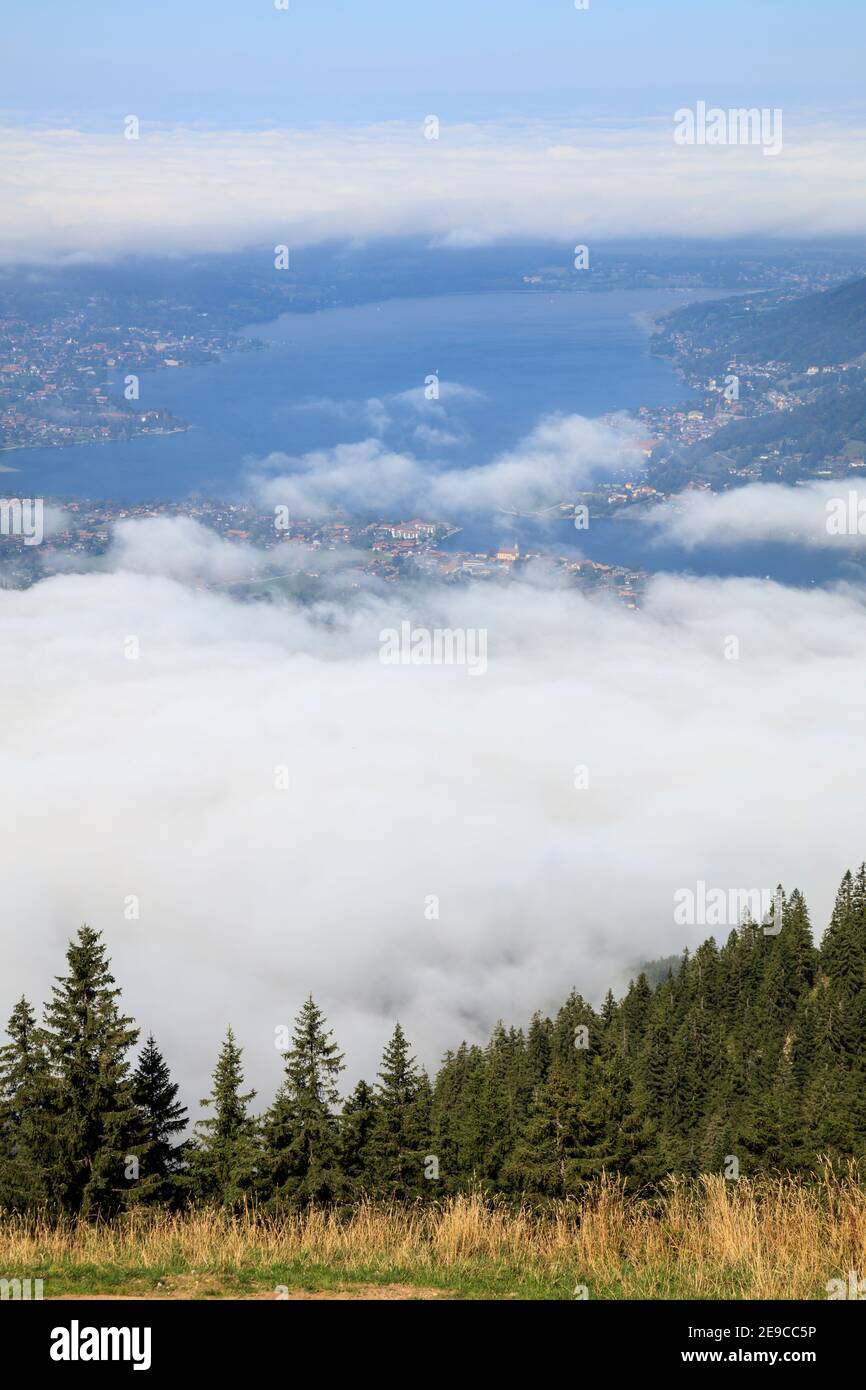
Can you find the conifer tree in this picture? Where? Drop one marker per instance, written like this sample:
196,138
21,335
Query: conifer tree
557,1151
163,1118
26,1114
554,1155
96,1126
446,1095
633,1015
302,1137
399,1136
754,1048
538,1051
355,1126
505,1099
842,948
461,1130
225,1158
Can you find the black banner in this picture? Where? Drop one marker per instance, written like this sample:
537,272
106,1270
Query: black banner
79,1337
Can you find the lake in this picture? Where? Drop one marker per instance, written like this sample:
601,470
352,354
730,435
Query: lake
335,376
526,354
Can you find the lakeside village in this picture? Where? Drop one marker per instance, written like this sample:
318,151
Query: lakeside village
69,381
389,551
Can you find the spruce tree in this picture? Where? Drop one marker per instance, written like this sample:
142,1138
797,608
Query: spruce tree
356,1123
399,1137
302,1138
225,1158
755,1048
633,1015
553,1156
505,1099
465,1121
163,1118
559,1147
96,1134
538,1050
27,1110
843,948
443,1139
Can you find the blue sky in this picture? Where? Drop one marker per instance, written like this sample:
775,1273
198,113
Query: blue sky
240,62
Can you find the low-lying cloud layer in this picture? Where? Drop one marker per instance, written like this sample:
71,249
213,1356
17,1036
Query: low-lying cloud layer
70,193
560,456
828,514
158,777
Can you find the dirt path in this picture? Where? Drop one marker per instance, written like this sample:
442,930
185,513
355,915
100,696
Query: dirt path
190,1288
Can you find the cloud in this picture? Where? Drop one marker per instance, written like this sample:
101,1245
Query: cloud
429,437
183,549
560,456
364,477
69,193
817,514
449,393
155,777
397,412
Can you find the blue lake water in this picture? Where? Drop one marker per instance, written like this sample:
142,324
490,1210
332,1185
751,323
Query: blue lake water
333,377
527,353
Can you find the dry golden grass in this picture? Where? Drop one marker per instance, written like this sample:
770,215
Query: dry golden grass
707,1238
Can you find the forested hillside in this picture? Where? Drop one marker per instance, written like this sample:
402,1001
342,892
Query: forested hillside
750,1057
820,329
827,426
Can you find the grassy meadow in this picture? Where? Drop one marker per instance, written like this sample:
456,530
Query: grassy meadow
705,1238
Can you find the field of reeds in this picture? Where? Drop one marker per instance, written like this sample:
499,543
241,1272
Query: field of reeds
781,1238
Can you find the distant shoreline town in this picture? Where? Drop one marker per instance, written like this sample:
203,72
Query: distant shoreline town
295,561
58,382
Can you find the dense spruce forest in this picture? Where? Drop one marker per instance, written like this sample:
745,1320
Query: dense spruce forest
754,1050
